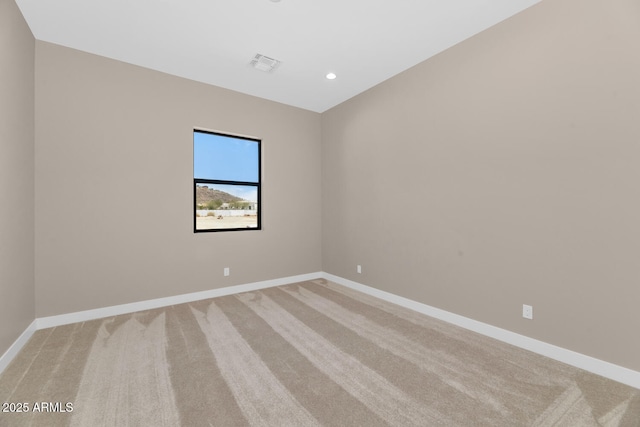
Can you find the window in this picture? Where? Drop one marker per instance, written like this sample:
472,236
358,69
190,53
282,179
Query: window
226,182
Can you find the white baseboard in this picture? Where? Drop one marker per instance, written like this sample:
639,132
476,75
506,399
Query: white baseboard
8,355
99,313
587,363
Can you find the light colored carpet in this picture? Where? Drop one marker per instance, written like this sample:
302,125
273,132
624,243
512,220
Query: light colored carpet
305,354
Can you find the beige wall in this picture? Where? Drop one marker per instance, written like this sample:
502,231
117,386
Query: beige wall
515,157
114,185
17,53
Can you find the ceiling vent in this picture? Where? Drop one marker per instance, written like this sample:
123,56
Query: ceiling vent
264,63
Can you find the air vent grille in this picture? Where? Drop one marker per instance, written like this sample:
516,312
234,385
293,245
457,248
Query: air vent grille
264,63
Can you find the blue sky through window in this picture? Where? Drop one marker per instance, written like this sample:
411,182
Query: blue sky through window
225,158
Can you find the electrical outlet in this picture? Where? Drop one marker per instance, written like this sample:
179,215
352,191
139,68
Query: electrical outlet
527,311
359,269
226,271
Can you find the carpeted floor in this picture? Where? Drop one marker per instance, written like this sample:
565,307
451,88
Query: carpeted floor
305,354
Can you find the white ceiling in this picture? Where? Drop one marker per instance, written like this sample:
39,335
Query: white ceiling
213,41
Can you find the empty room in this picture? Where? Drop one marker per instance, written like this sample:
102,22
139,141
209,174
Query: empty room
297,212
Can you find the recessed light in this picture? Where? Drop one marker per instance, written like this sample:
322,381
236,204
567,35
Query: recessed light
331,76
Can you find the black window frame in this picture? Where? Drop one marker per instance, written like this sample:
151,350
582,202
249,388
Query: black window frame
257,184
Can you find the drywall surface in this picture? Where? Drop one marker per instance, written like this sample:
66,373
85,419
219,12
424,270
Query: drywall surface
114,185
17,53
502,172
